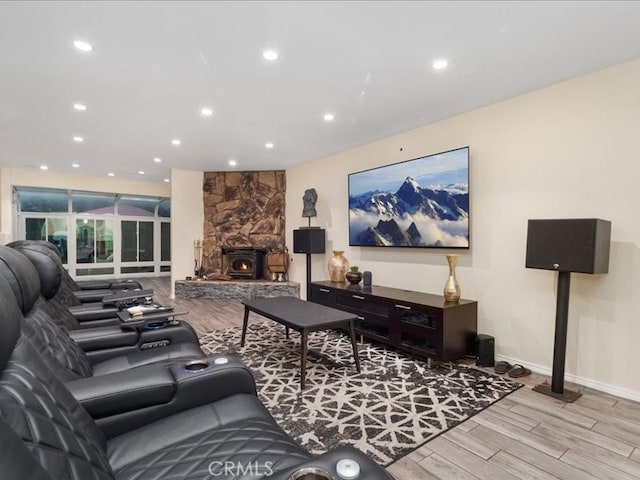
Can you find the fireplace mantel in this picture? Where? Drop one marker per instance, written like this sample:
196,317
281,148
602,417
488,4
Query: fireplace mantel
235,289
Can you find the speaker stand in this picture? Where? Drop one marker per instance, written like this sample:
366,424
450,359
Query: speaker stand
557,389
308,274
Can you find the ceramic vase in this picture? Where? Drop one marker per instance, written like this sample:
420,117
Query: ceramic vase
451,286
353,278
338,266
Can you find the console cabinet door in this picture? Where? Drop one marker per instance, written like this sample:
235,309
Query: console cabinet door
322,295
420,329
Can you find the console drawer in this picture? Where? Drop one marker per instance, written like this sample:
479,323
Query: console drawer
361,304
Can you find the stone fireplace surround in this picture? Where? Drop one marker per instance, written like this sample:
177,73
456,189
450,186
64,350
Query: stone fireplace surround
242,210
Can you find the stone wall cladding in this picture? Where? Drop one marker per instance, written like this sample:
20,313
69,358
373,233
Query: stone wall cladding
242,209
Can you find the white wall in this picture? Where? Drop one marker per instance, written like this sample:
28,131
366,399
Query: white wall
187,222
566,151
10,177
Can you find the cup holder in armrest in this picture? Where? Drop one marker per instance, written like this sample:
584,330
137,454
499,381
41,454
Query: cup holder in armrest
195,366
311,473
156,325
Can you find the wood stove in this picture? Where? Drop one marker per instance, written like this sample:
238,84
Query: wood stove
243,262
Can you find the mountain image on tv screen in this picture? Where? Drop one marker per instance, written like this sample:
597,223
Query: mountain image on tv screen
418,203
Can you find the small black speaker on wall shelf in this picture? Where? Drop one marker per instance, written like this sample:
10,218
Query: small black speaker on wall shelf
485,350
309,240
569,245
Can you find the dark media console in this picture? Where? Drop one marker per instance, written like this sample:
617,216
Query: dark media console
420,324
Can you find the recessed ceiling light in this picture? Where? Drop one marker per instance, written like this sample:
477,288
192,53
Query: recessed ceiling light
157,159
75,165
111,174
166,180
78,139
270,55
329,117
80,107
268,145
206,111
140,172
232,162
440,64
175,141
82,45
44,167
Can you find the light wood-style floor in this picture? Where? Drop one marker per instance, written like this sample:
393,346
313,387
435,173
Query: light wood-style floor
523,436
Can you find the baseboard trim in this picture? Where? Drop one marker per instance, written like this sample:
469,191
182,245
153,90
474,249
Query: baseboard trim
587,382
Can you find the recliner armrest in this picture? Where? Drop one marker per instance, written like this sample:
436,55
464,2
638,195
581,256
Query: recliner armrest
116,284
93,295
126,296
369,470
192,389
124,391
94,284
102,338
88,312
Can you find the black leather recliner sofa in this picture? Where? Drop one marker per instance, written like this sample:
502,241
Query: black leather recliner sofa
63,354
103,348
83,290
208,419
69,311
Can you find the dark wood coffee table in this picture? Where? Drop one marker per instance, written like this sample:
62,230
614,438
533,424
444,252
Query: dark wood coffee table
303,317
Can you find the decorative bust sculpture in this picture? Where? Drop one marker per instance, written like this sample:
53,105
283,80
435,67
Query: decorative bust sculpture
309,203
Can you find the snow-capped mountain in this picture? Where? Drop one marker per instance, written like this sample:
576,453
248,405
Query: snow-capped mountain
410,205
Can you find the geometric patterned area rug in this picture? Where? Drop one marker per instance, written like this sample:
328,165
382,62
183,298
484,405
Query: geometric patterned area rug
392,407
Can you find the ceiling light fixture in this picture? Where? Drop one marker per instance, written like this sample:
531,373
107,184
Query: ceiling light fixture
140,172
232,162
206,111
440,64
166,180
83,46
270,55
111,174
78,139
75,165
80,107
176,142
329,117
44,167
157,159
268,145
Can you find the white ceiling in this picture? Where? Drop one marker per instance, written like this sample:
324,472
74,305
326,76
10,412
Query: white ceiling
155,64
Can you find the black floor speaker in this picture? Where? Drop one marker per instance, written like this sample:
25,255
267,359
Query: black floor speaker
485,350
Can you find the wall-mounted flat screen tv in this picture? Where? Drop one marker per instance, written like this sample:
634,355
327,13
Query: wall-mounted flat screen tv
422,202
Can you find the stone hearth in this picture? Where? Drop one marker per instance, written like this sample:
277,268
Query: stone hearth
236,290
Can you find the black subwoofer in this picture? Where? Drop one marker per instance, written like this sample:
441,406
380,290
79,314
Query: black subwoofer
569,245
485,350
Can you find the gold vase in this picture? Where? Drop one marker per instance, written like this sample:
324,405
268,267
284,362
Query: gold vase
338,266
451,286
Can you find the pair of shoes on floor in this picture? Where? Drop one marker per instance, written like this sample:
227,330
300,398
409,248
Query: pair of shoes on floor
515,371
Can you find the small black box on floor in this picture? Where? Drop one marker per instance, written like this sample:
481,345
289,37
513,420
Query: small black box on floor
485,349
308,240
